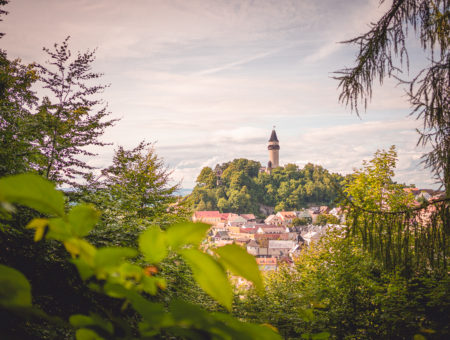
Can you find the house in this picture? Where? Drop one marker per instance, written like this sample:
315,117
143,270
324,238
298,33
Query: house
248,233
221,235
314,212
304,214
272,230
286,216
413,191
267,263
280,248
224,216
259,237
273,219
339,213
236,221
209,217
234,230
323,209
249,217
424,195
253,248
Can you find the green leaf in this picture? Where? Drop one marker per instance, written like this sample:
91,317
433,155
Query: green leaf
306,314
82,219
58,229
87,334
320,336
181,234
15,290
152,244
112,257
241,263
34,192
189,314
150,311
210,275
40,224
244,330
419,337
84,269
83,249
80,321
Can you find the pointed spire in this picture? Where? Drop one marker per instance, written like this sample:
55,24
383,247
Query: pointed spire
273,136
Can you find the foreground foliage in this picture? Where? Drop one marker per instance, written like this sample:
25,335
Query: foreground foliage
110,272
336,288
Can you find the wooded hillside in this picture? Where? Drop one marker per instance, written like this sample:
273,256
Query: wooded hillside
239,186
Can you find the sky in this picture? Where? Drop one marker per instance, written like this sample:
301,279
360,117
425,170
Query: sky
206,80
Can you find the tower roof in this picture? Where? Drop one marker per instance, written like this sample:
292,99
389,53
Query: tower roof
273,137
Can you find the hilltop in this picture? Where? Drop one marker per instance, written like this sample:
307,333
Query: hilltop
242,186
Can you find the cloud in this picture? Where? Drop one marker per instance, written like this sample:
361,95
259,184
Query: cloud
208,79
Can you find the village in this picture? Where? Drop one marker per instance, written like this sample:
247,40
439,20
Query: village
273,241
279,238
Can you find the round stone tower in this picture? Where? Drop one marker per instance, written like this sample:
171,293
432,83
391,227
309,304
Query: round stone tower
273,147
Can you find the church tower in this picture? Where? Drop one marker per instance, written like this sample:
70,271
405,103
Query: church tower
273,148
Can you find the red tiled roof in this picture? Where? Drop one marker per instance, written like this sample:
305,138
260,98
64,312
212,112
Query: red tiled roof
288,214
248,216
248,230
207,214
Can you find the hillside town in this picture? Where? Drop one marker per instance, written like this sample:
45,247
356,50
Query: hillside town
274,240
280,237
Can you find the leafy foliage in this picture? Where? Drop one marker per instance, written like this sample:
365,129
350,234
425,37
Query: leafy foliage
112,275
428,93
335,288
134,193
395,232
17,124
71,117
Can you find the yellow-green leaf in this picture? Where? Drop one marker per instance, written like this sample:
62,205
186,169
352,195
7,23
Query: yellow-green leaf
112,257
40,224
34,192
210,275
152,243
87,334
15,290
182,234
59,229
241,263
83,249
82,219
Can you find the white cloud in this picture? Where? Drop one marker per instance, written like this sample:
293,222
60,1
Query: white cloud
208,79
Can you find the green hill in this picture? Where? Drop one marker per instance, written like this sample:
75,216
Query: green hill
239,186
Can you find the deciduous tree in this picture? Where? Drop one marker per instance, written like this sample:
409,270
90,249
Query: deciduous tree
72,117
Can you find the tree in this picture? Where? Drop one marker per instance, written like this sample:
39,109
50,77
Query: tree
17,100
17,124
391,228
372,186
428,91
134,192
72,116
206,178
296,222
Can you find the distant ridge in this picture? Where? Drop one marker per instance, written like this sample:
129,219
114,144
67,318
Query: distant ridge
183,191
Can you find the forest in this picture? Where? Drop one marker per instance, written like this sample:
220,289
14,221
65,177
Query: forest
239,186
116,257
